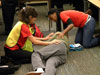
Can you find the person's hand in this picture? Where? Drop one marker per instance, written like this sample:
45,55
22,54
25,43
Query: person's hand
49,36
89,11
55,41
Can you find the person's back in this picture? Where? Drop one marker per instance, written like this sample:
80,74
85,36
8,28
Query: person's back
78,18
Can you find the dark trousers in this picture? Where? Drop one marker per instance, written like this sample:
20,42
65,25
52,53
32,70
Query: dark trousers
8,10
85,37
20,56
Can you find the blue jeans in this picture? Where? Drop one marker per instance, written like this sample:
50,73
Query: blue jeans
85,37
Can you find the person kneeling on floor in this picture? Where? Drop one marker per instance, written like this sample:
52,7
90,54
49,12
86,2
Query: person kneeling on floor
19,43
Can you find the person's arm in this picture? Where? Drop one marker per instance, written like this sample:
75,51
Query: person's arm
46,38
89,11
69,26
68,29
38,42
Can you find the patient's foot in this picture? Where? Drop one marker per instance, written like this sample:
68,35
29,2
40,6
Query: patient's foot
33,73
38,71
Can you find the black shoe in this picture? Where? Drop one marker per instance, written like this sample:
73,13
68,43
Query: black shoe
8,69
8,66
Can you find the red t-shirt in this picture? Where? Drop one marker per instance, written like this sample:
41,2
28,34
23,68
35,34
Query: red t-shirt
78,18
23,37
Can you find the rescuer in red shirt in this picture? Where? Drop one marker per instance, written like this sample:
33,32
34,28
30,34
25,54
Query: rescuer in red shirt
73,18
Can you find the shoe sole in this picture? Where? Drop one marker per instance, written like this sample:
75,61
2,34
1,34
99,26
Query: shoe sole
76,49
33,73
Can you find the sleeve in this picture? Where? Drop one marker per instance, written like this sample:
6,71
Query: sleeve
64,17
69,21
25,31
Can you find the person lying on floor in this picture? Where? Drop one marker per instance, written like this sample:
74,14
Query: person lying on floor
19,43
46,60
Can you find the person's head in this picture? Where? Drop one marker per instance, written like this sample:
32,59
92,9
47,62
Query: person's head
28,15
52,14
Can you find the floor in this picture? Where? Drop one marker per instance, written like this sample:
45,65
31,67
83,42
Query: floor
85,62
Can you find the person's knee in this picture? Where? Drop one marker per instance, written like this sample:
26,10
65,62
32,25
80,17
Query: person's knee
33,55
51,62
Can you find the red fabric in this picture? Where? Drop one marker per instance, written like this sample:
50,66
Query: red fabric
78,18
38,33
23,37
24,34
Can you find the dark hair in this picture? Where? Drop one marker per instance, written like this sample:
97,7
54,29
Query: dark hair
51,11
26,12
58,23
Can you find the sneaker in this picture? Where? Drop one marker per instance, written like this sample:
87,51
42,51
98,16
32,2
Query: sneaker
76,47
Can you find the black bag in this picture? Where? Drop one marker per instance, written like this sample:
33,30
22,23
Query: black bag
7,66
